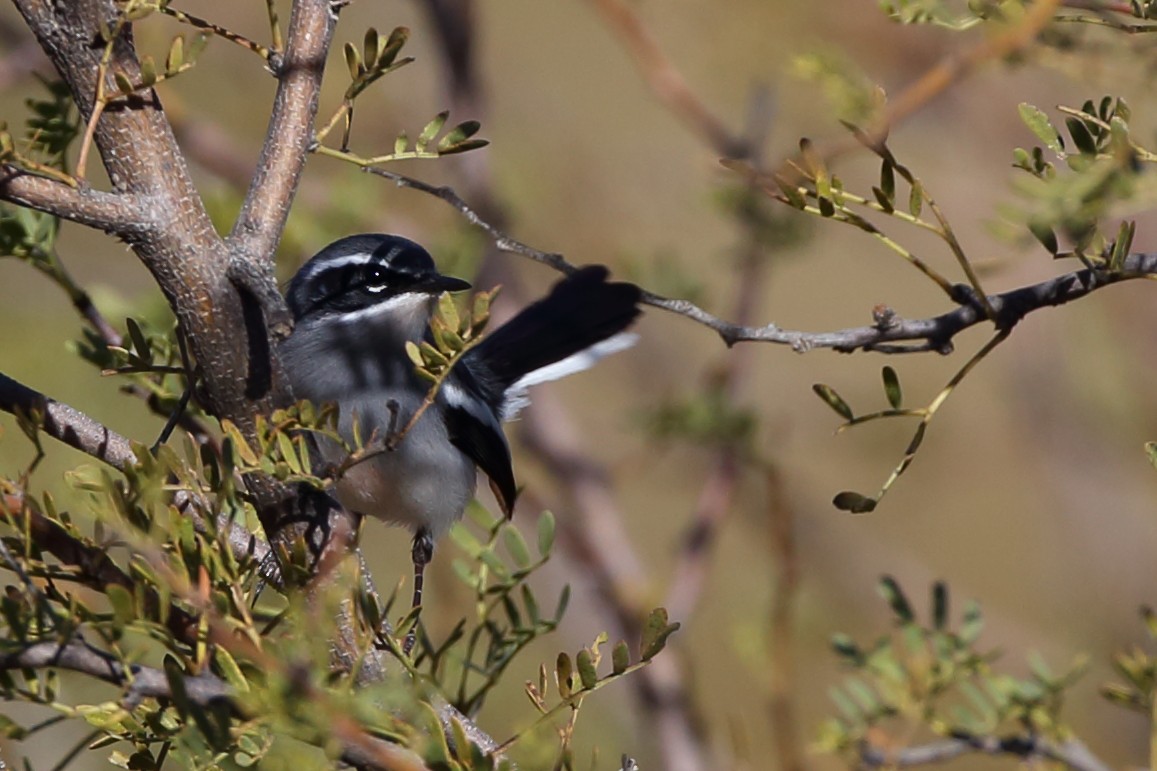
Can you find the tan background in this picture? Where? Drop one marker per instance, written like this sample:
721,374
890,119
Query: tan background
1031,495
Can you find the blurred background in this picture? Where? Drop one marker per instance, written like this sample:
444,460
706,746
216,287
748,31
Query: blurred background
1031,495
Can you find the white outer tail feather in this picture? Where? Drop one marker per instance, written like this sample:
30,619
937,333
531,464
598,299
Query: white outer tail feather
516,397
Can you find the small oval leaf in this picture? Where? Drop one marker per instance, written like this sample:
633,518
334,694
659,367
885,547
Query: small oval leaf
834,400
892,388
854,502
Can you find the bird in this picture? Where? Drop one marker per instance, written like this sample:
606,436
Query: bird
358,302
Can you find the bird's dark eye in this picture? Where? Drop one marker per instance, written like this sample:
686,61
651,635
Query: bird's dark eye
375,278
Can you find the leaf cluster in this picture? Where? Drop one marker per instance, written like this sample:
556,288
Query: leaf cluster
933,675
1103,163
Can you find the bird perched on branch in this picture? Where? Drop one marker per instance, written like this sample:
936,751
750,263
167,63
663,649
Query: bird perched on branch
357,304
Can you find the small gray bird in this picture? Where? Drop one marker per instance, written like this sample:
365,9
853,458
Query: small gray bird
356,304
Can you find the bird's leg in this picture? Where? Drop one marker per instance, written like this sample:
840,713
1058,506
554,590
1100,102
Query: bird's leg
421,554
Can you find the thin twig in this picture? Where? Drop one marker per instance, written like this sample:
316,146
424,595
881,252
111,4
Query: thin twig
930,334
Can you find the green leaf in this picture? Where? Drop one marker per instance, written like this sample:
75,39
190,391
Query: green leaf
888,180
885,203
370,46
1122,246
545,534
353,61
1081,135
562,672
457,135
176,58
854,502
531,605
431,130
448,311
892,388
122,603
563,601
1151,452
393,46
916,200
834,400
415,353
620,657
1045,235
124,85
845,647
890,590
656,630
140,343
401,144
230,671
1038,123
148,71
794,197
516,546
461,147
586,669
940,605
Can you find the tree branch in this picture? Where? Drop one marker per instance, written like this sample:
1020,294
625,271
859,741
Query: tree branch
890,334
111,212
66,424
145,682
72,427
1072,753
290,133
140,682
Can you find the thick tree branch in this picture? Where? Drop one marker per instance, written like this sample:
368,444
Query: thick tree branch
145,682
110,212
140,682
290,133
66,424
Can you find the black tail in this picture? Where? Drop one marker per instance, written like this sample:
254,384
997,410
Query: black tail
580,311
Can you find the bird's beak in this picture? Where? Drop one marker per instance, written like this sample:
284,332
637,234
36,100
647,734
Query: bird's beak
437,283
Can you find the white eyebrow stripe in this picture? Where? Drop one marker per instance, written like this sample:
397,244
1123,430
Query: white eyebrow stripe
338,262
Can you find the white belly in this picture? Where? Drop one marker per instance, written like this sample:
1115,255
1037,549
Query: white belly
425,483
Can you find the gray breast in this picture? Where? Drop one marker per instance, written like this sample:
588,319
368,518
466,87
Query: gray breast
425,481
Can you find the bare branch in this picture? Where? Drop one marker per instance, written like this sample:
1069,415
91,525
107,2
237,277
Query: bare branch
1072,753
66,424
141,682
359,748
891,334
290,133
113,213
